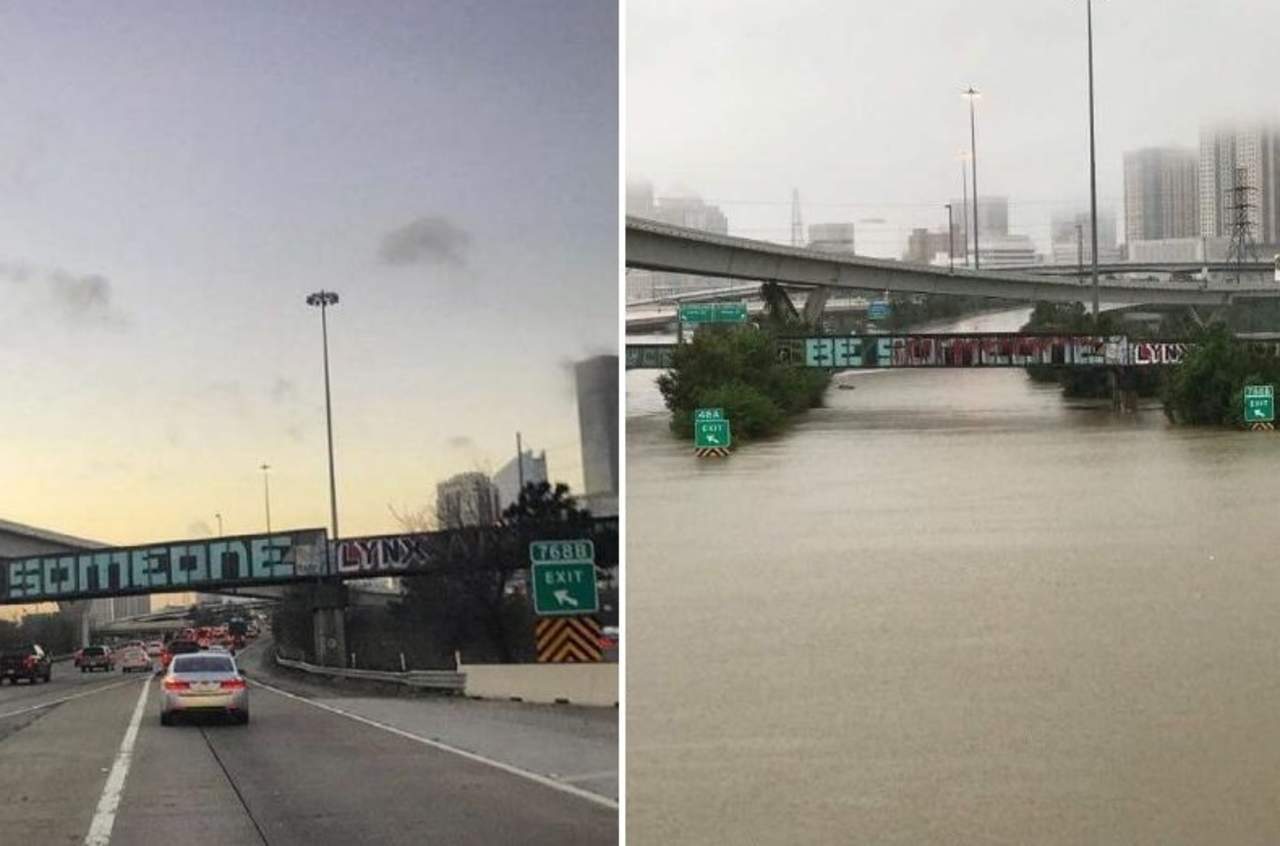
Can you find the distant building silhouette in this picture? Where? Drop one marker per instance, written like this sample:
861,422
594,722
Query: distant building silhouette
467,499
597,383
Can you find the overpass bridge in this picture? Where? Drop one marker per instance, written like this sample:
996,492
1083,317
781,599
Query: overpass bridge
960,350
676,249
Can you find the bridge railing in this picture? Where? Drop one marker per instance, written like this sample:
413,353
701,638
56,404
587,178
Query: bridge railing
447,680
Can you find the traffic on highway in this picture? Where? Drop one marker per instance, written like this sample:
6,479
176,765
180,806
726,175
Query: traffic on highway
110,755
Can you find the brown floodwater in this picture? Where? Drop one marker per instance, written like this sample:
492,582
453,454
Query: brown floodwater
952,607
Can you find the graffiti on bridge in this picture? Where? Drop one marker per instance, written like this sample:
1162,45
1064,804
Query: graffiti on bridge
280,558
474,547
173,565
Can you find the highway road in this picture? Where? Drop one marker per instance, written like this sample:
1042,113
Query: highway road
84,759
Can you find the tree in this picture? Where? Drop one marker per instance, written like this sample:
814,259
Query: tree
479,608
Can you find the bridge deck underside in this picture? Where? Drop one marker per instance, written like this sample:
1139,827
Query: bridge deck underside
669,249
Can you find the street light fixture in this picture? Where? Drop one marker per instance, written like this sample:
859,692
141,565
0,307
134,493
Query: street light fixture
219,516
324,299
973,94
951,245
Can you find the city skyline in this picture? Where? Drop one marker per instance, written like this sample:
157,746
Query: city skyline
753,125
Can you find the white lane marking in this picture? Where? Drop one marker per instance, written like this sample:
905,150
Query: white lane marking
589,776
546,781
105,817
60,700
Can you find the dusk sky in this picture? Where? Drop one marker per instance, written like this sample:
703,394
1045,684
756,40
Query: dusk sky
858,104
176,178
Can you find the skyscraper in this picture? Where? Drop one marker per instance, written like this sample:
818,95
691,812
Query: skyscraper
831,237
1254,148
597,383
1161,194
467,499
529,468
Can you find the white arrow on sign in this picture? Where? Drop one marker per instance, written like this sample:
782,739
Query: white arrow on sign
563,597
711,438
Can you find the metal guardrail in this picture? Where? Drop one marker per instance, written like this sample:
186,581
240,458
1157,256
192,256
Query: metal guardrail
423,679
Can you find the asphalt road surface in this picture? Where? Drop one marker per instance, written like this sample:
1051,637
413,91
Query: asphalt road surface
84,759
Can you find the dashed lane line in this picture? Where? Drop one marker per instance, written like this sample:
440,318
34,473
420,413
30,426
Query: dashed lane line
105,817
62,699
546,781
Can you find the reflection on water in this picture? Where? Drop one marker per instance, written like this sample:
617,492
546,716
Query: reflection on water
950,607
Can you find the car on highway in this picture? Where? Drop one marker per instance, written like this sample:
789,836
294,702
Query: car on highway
155,649
133,658
203,683
28,662
93,658
178,647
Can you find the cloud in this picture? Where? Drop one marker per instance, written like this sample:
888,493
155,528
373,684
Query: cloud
283,390
461,442
427,240
81,299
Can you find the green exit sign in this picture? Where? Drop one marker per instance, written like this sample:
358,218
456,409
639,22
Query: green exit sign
565,588
713,313
1259,404
711,433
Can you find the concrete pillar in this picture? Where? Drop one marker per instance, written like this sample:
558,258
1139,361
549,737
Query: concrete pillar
84,623
328,620
815,301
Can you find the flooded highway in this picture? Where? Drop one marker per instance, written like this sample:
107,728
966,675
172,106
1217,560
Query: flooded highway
952,606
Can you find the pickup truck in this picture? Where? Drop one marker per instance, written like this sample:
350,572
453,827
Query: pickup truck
28,662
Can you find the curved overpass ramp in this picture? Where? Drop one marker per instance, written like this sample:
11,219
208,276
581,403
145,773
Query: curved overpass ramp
677,249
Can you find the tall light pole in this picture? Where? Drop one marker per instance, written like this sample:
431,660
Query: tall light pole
1093,171
951,242
266,493
973,94
964,203
219,516
324,299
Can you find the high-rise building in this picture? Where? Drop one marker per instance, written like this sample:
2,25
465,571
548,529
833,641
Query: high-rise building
926,247
529,467
1161,194
1255,150
640,198
1071,239
691,211
467,499
597,383
831,237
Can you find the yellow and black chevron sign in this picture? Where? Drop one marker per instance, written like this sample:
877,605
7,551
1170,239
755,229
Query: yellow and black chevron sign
568,639
1262,427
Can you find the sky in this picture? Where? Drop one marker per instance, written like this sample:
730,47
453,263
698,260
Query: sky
176,178
858,106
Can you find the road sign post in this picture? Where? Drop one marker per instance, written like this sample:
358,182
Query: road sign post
712,436
564,578
713,313
1260,406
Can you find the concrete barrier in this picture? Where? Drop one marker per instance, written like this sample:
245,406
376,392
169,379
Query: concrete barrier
575,684
427,679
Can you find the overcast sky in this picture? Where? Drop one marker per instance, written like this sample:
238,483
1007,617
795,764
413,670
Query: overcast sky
857,103
176,177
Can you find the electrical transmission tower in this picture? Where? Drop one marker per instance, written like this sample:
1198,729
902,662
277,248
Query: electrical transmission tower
1240,203
797,228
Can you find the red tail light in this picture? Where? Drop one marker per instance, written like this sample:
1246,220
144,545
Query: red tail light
233,684
29,662
176,684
